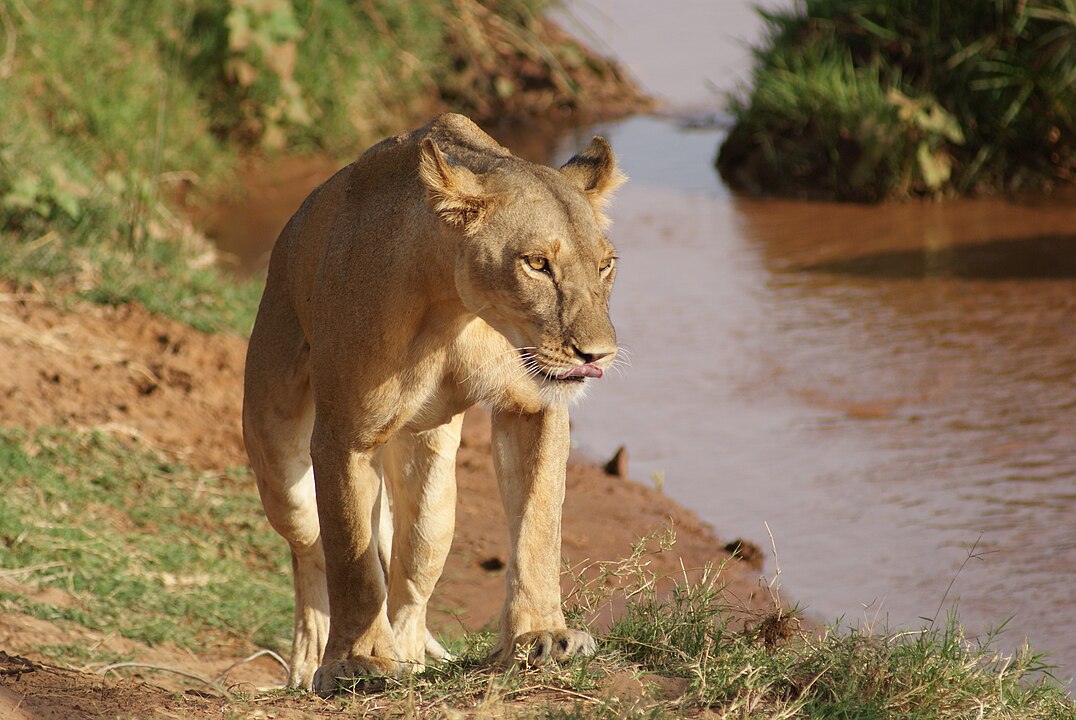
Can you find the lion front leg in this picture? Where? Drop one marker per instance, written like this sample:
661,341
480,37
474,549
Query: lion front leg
420,471
360,641
530,453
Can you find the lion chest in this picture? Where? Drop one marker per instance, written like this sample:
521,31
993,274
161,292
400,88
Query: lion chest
443,368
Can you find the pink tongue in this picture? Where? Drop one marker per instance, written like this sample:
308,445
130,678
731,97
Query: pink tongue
587,370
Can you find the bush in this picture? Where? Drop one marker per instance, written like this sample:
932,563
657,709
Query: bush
865,100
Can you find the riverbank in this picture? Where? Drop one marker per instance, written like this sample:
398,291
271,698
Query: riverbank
121,474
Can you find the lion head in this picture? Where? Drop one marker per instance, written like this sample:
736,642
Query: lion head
533,260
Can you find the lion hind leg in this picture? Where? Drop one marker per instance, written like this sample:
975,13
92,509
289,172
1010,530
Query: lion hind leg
435,650
278,417
291,508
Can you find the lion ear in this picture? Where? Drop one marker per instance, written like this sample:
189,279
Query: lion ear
595,174
452,191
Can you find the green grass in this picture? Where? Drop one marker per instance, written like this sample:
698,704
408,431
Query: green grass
866,100
751,665
169,276
102,126
156,552
146,548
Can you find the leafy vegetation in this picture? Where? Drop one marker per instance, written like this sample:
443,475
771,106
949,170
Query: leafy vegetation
115,114
154,551
865,100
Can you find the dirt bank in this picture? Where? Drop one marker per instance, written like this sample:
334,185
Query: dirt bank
163,385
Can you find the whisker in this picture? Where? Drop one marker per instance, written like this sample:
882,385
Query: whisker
497,374
497,359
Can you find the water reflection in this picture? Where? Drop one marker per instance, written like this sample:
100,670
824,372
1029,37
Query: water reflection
245,223
1044,257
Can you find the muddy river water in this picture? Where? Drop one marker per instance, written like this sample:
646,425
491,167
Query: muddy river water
891,389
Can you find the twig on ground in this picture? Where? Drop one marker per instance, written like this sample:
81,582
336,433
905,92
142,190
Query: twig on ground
145,666
223,675
551,688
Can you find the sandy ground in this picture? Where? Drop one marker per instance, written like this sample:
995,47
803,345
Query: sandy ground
166,386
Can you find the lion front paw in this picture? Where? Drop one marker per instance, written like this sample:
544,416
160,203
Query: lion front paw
362,673
543,646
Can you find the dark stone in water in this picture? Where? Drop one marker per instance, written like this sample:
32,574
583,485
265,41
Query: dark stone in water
746,551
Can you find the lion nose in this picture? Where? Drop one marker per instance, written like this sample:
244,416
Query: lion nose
591,355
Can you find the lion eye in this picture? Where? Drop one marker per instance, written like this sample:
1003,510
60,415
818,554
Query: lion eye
538,263
606,265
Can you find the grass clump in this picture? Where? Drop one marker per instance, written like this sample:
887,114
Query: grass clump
864,100
102,127
742,664
143,547
693,651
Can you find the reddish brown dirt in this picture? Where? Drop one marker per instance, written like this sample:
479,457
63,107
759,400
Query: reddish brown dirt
123,371
166,386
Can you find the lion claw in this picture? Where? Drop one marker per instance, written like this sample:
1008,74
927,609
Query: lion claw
554,645
361,673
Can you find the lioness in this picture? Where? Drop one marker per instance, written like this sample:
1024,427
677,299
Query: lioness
435,272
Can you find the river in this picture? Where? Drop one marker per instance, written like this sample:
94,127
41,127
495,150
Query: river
891,390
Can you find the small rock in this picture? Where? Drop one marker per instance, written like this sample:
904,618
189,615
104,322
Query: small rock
618,465
746,551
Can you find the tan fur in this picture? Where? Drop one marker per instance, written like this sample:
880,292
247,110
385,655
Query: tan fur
403,291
